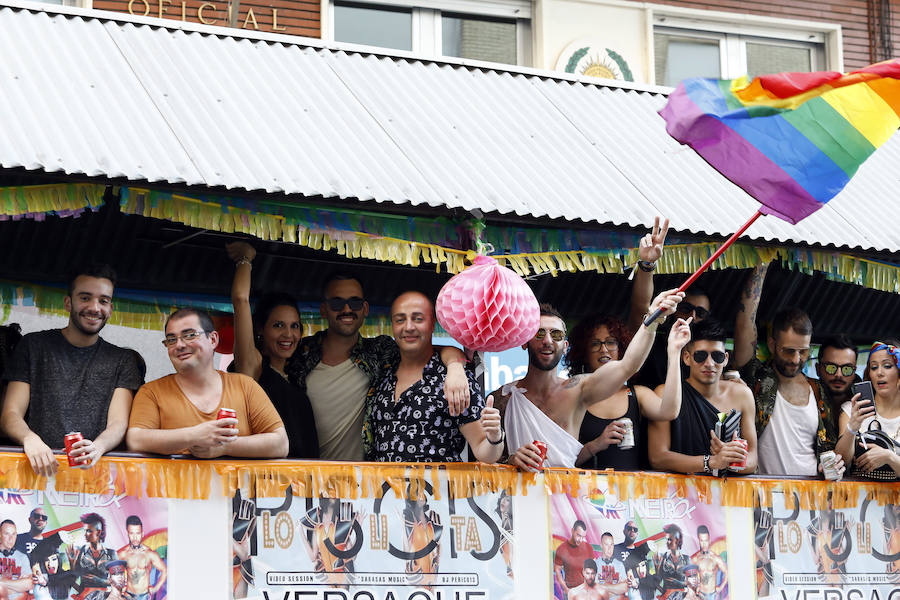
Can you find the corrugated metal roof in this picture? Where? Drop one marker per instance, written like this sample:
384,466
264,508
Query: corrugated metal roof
113,96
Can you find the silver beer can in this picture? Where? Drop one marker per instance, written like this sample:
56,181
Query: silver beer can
828,460
627,442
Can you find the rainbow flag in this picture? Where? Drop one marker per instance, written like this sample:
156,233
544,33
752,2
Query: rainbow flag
791,140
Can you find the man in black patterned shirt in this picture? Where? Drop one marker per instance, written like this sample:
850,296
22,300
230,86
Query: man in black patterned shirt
410,419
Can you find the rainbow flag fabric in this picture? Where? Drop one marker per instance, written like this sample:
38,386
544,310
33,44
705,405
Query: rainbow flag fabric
791,140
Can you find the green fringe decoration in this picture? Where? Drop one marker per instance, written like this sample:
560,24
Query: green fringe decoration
56,199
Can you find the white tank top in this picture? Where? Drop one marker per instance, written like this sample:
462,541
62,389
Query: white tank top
788,445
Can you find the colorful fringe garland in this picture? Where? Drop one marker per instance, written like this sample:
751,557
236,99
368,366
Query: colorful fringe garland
192,480
414,241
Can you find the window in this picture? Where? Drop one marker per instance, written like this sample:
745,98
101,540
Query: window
382,26
486,30
690,47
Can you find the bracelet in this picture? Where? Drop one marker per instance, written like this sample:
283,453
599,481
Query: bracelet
706,468
646,266
498,442
851,431
243,261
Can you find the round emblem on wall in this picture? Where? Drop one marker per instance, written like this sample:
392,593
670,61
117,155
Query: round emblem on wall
593,59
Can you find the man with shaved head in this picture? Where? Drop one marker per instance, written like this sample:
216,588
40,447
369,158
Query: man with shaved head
409,416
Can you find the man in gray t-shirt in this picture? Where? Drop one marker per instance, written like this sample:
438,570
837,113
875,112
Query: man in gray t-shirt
65,380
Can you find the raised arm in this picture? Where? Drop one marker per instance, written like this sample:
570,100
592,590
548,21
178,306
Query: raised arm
667,405
745,321
609,378
649,251
247,359
12,420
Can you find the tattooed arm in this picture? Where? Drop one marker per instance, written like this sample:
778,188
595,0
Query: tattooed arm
745,321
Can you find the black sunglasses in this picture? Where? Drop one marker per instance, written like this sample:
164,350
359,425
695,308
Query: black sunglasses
38,517
631,528
717,355
687,307
336,304
846,370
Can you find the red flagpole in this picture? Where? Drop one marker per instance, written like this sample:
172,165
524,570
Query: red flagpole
708,262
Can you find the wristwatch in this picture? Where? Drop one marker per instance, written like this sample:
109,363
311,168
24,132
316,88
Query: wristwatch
706,468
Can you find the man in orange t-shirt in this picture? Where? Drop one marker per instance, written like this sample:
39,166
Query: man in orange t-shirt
176,414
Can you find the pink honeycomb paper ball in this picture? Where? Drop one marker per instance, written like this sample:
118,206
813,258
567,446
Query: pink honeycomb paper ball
488,307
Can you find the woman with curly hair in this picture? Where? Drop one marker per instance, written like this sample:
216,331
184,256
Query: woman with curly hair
594,342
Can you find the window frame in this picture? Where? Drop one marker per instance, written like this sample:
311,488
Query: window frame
427,31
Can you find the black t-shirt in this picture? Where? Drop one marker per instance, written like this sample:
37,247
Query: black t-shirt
71,387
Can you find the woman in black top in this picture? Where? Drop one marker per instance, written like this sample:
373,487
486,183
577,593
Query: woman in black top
263,341
594,342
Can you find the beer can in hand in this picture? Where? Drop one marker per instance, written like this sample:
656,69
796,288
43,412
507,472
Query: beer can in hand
828,460
70,439
627,442
740,466
227,413
542,448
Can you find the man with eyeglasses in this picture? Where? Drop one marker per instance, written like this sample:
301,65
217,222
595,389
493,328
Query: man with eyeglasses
26,542
71,379
688,443
545,407
338,366
177,414
836,368
794,422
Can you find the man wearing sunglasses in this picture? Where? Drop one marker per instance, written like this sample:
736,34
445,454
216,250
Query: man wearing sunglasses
544,407
25,542
688,444
71,379
626,551
794,422
178,414
836,368
338,366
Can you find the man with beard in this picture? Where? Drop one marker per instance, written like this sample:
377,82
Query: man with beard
836,368
68,380
569,558
554,407
626,551
117,574
594,589
688,444
794,422
15,574
710,565
27,541
140,561
338,366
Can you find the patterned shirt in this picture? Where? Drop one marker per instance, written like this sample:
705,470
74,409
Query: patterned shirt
763,380
373,356
418,426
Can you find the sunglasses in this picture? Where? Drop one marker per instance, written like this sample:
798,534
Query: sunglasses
846,370
39,517
631,528
687,307
717,355
557,335
336,304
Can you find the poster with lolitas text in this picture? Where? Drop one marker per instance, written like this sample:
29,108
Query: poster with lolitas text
56,545
826,553
388,548
672,548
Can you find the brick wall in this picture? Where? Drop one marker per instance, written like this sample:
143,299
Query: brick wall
852,15
292,17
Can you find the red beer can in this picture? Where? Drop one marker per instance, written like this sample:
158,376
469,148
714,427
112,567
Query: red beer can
227,413
738,466
71,438
542,447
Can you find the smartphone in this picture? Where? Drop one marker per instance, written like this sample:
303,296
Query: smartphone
865,391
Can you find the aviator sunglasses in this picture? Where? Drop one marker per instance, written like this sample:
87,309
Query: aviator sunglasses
686,307
717,355
557,335
336,304
846,370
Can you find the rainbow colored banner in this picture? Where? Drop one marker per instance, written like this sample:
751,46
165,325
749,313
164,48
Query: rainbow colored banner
791,140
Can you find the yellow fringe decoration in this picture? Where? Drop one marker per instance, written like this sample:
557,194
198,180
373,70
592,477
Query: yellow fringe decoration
54,198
